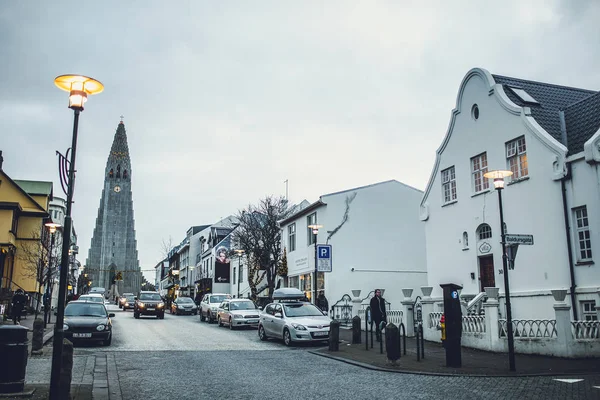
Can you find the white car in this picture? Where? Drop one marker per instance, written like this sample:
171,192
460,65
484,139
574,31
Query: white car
293,320
209,305
237,313
94,297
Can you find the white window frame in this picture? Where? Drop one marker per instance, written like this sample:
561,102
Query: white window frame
479,166
292,237
588,310
311,220
582,234
448,177
516,158
484,228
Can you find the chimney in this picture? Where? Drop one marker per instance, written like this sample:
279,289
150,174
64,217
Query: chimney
1,160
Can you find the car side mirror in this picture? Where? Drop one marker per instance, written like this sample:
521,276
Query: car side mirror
278,315
135,298
260,308
111,315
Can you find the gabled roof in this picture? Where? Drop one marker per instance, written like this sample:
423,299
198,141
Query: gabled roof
302,212
23,192
372,185
33,188
551,100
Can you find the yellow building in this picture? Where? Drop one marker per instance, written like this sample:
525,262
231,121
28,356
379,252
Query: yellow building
23,238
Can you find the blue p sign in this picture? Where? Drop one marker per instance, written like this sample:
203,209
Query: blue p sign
323,252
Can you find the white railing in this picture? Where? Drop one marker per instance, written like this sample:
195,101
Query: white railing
434,320
474,306
586,329
395,316
530,328
473,324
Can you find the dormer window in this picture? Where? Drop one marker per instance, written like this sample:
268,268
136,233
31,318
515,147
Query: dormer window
523,95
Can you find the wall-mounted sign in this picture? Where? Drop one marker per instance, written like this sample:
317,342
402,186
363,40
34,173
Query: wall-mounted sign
485,248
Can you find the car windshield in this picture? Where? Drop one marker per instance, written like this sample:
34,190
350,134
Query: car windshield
130,298
302,310
217,298
242,305
150,296
184,300
96,299
85,310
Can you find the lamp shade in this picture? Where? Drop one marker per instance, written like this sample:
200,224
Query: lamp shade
79,87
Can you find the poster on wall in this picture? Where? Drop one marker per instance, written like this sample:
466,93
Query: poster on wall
222,271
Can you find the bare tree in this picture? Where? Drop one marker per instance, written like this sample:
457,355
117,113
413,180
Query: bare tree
166,245
259,235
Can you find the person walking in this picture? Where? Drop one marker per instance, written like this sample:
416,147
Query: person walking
18,304
322,302
378,312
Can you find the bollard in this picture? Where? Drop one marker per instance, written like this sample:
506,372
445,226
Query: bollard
13,358
37,342
356,339
334,335
402,333
66,370
392,343
382,326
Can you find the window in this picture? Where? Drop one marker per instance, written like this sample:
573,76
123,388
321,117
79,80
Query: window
484,232
584,242
465,240
292,237
588,313
523,95
516,158
449,185
311,220
475,112
479,166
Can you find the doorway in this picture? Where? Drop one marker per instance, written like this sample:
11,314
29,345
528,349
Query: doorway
486,272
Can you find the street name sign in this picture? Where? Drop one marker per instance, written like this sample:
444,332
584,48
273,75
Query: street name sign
324,258
518,239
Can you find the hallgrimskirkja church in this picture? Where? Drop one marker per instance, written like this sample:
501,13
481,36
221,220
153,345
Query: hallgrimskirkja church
113,252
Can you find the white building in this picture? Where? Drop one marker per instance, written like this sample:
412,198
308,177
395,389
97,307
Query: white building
549,137
376,237
57,210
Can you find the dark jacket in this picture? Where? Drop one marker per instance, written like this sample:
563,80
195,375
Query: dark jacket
378,311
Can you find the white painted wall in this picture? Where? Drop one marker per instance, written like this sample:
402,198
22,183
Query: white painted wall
383,240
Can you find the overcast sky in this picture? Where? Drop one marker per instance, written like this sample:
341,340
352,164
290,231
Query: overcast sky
225,100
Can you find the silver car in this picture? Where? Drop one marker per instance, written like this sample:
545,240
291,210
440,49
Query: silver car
238,312
293,321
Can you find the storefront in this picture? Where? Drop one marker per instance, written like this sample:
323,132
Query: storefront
304,283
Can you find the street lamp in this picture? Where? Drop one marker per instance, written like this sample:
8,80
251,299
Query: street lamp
315,230
498,177
239,253
52,226
190,287
79,87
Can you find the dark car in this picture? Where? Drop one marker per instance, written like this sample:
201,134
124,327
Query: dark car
129,302
149,303
87,321
184,305
122,298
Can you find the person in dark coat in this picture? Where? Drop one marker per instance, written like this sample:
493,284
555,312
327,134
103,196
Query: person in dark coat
18,304
322,302
378,312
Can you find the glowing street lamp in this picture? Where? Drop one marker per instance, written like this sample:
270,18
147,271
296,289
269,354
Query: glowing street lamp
239,253
79,88
498,177
315,230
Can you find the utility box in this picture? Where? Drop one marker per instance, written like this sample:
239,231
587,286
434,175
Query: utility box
453,328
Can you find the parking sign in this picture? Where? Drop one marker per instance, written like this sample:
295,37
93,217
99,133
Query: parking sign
324,258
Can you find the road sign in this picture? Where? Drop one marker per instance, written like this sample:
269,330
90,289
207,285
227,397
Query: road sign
324,258
518,239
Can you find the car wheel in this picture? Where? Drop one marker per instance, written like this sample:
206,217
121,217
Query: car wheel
136,315
219,321
231,327
162,316
287,338
201,316
108,341
261,333
209,317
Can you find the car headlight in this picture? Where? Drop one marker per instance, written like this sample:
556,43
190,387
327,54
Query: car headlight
126,304
236,316
299,327
141,305
65,327
160,305
100,327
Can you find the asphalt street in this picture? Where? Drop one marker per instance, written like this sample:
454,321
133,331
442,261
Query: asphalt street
183,358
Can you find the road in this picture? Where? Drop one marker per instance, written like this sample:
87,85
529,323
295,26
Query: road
182,358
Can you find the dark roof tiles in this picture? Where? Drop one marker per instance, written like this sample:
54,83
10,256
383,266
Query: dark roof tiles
583,121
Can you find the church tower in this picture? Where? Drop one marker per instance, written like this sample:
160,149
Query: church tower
114,248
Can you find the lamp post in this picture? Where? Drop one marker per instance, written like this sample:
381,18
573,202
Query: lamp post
498,177
239,253
190,287
315,230
52,229
79,87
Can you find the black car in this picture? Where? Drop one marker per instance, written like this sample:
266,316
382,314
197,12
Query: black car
149,303
184,305
129,302
87,321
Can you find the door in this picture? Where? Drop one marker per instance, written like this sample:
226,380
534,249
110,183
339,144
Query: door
278,322
486,272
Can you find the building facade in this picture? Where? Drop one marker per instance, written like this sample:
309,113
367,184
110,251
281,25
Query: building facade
114,247
548,137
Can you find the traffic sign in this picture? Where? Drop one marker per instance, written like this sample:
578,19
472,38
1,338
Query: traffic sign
518,239
324,258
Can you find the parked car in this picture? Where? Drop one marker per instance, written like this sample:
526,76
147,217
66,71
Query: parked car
129,302
184,305
121,299
209,305
292,319
149,303
87,321
93,297
237,313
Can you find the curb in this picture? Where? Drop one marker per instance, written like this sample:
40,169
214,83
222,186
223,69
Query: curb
412,372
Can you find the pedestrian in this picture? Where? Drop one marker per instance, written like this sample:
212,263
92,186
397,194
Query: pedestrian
378,312
322,302
18,304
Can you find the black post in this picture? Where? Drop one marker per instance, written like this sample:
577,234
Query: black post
509,327
57,349
239,273
381,341
314,300
367,310
422,341
48,277
418,345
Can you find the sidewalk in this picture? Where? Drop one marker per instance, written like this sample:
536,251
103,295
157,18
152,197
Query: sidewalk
474,362
28,323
